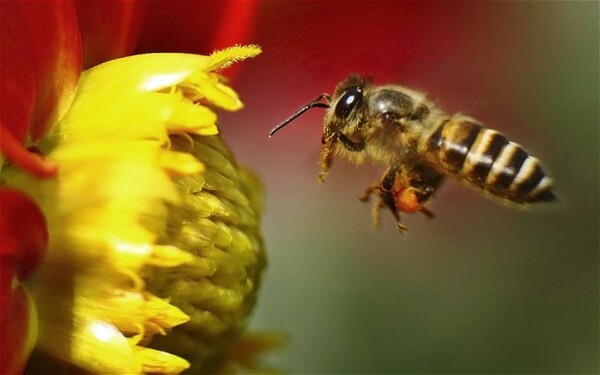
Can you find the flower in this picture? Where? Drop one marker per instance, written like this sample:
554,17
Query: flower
152,224
35,96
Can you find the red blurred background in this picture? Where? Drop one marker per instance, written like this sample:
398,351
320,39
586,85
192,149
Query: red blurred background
481,288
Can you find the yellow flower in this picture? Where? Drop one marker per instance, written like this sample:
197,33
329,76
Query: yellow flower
155,253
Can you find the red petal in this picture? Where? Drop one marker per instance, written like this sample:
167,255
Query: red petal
7,274
22,158
235,25
41,64
24,239
164,30
18,84
109,29
53,37
209,25
23,232
18,330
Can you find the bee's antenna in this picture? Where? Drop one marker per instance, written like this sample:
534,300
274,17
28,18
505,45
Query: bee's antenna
316,102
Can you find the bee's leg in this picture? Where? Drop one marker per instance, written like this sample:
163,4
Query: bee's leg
423,181
384,190
367,194
427,212
408,199
423,195
386,194
387,199
326,158
373,189
375,212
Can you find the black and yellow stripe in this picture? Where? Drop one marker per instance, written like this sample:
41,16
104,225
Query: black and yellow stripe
488,160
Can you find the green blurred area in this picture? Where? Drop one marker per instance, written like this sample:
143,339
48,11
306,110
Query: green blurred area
481,288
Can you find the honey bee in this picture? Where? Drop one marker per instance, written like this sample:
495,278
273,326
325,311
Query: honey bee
401,128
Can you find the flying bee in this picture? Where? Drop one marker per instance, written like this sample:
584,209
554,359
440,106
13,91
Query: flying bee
401,128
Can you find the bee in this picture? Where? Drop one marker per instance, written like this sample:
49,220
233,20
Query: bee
421,145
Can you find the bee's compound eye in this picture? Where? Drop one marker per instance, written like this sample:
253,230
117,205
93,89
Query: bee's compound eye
349,100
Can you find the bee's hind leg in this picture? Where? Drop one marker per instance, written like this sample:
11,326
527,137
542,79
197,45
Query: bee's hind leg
385,197
427,212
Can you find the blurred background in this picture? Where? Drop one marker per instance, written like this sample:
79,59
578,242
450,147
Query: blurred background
481,288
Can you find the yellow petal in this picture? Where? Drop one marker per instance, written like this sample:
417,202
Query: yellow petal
157,362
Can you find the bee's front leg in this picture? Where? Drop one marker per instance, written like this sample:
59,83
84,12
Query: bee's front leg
326,158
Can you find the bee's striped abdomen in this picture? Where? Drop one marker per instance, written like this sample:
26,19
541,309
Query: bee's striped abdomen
486,159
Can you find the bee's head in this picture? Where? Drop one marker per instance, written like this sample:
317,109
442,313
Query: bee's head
344,115
347,114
